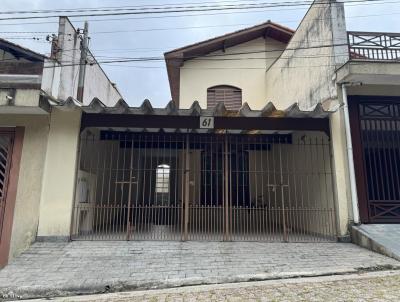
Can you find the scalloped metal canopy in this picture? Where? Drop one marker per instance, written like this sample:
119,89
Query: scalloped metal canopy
121,107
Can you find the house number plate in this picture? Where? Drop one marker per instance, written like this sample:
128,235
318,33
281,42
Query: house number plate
206,122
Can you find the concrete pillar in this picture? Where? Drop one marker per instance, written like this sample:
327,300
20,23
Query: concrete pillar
341,178
59,175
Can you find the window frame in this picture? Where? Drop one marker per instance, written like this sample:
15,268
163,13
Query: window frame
230,104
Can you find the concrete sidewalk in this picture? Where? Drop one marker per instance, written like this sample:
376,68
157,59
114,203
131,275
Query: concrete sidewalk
381,238
62,269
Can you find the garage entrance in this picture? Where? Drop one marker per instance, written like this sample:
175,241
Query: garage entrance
220,186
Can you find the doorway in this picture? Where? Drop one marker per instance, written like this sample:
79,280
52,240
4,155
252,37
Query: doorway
376,138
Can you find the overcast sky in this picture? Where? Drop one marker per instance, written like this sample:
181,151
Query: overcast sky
154,36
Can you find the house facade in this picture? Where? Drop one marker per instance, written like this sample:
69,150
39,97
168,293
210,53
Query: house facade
272,134
33,134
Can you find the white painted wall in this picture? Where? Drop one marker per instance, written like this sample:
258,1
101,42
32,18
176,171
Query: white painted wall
341,175
98,85
248,73
305,72
26,212
59,174
21,97
62,82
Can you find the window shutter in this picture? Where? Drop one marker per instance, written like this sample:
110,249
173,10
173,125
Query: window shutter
230,96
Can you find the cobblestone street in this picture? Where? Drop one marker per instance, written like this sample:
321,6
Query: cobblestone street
367,287
63,269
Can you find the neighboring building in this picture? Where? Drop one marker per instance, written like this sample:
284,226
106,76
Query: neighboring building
254,146
32,133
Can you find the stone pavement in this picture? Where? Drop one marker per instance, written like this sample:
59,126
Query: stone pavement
382,238
62,269
381,286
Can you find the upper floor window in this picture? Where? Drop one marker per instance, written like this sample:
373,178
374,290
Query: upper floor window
229,95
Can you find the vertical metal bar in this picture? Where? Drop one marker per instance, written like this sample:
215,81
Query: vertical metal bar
262,207
255,230
383,162
182,184
328,201
198,142
394,132
323,202
128,223
276,212
230,197
295,208
122,187
150,197
175,217
103,171
334,224
167,204
268,187
235,207
118,214
282,186
140,180
155,204
108,218
246,166
307,188
226,188
186,176
145,212
286,184
92,204
381,190
137,140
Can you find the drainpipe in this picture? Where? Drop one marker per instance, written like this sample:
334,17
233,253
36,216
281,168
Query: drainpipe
350,159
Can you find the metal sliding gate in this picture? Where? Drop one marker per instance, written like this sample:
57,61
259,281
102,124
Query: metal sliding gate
6,144
380,142
174,186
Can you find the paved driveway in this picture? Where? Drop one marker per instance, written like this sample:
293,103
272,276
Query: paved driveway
55,269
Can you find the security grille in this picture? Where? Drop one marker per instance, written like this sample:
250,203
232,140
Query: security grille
174,186
380,137
6,142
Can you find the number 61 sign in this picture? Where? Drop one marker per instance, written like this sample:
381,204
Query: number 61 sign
206,122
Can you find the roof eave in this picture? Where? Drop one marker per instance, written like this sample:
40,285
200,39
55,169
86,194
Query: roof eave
25,52
192,50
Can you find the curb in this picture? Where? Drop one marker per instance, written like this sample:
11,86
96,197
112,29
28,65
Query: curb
36,292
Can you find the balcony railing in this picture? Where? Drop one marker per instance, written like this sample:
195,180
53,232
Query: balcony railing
374,46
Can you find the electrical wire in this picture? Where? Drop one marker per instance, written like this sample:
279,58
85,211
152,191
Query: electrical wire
189,9
180,16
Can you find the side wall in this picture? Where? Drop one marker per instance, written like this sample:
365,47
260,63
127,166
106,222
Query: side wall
62,82
26,212
59,175
247,74
305,71
341,175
